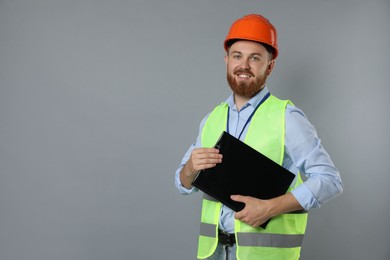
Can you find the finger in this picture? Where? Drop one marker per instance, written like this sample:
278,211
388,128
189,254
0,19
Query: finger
238,215
206,151
206,162
207,157
204,155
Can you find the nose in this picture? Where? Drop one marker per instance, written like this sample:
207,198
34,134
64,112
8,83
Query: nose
245,64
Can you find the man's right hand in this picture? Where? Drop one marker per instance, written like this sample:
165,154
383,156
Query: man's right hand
200,159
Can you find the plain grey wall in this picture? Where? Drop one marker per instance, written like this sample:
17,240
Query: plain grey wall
99,100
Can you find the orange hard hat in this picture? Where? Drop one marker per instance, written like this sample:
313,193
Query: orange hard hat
253,27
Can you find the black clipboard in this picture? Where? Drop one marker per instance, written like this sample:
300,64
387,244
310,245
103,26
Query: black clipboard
243,171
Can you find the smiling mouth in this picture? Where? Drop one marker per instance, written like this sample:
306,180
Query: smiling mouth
243,74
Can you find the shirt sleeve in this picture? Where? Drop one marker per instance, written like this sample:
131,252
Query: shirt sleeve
304,152
187,155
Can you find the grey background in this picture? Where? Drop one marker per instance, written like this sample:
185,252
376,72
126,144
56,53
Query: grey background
99,100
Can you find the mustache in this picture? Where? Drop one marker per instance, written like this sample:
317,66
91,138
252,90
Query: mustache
244,71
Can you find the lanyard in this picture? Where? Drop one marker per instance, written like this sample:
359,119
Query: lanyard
249,118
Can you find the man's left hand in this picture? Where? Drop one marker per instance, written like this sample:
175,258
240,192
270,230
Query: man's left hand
256,211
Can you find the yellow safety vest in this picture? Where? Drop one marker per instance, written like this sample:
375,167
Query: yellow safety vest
283,236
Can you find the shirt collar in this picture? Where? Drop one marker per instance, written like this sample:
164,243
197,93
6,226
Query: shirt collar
254,101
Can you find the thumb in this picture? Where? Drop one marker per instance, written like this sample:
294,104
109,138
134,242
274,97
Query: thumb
239,198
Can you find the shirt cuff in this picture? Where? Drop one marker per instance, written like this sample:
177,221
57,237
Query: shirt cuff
183,190
305,197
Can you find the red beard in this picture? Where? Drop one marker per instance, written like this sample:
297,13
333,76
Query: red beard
245,89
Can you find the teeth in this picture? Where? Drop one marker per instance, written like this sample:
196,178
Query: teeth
244,76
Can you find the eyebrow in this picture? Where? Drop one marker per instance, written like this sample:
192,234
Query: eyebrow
252,54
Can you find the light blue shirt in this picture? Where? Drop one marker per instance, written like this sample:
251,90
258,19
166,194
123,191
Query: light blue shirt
303,152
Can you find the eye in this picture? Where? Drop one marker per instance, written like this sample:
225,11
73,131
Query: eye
236,56
255,58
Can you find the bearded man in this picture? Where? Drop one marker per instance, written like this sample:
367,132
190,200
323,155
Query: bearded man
266,123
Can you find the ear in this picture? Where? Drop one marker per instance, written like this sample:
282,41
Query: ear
226,58
270,68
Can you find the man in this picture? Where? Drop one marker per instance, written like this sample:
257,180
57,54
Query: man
277,129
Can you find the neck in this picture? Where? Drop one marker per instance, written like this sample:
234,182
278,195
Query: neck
240,101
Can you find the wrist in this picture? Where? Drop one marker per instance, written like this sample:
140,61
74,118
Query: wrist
188,171
274,208
284,204
187,177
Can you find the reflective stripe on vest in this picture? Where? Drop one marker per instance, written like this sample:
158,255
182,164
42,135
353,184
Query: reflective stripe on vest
269,240
258,239
284,234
